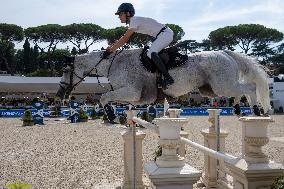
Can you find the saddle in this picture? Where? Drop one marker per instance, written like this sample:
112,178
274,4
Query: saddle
171,57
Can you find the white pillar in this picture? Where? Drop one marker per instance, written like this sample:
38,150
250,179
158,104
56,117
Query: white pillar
170,170
175,113
254,170
129,149
166,107
181,149
210,176
128,159
254,137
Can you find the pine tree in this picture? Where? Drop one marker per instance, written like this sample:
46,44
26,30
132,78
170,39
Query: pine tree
27,57
34,57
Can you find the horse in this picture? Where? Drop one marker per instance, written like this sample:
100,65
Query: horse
214,73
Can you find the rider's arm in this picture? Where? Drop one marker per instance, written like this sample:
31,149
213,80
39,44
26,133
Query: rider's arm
119,43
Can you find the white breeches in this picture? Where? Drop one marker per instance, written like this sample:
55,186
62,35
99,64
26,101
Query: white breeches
162,41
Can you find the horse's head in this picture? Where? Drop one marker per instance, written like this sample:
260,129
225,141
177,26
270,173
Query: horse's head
66,83
77,68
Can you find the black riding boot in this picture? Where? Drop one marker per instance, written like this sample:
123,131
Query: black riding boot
168,80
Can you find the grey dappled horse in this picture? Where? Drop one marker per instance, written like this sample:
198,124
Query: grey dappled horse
227,73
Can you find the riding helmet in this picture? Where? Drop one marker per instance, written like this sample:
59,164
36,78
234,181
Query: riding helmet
126,7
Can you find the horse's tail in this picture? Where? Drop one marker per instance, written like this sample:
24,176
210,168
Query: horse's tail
252,71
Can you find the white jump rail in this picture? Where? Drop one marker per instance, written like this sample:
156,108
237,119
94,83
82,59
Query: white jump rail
217,155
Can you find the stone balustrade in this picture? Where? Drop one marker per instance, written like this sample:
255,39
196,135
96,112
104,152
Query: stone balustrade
252,170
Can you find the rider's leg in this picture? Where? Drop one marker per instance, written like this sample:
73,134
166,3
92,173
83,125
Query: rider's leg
162,41
162,68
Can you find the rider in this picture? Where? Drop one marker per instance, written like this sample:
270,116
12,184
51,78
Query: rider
163,36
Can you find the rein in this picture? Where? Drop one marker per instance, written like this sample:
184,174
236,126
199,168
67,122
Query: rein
71,86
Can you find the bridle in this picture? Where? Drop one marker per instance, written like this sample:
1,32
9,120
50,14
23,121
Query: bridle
71,86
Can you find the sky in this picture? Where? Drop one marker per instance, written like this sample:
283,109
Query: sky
197,17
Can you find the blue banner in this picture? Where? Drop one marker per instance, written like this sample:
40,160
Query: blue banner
66,112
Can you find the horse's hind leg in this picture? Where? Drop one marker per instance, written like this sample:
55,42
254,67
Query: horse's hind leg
236,105
124,94
239,89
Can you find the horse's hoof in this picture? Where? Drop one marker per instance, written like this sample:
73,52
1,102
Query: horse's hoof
256,110
237,110
244,114
266,115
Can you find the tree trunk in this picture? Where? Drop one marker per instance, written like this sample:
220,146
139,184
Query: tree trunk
4,61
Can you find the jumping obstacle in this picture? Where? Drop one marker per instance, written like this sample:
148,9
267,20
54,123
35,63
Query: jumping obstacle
38,116
252,170
74,114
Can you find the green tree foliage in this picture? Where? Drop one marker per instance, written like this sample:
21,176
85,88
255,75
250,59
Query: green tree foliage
27,57
19,61
9,33
278,57
248,37
139,40
57,59
111,35
188,46
7,52
86,34
205,45
178,32
34,57
51,34
223,38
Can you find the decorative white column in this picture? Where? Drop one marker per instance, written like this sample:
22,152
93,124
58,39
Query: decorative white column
169,141
254,170
129,155
254,137
170,171
210,176
175,113
181,149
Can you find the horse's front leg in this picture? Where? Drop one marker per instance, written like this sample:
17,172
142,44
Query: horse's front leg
124,94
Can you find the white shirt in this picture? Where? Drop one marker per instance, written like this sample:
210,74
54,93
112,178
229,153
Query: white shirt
145,25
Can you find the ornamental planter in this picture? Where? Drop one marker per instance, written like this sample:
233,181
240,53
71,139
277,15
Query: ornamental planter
83,120
28,123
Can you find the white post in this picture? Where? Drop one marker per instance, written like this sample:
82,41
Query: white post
214,139
133,164
166,107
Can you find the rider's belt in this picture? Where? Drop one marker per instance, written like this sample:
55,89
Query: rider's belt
162,30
